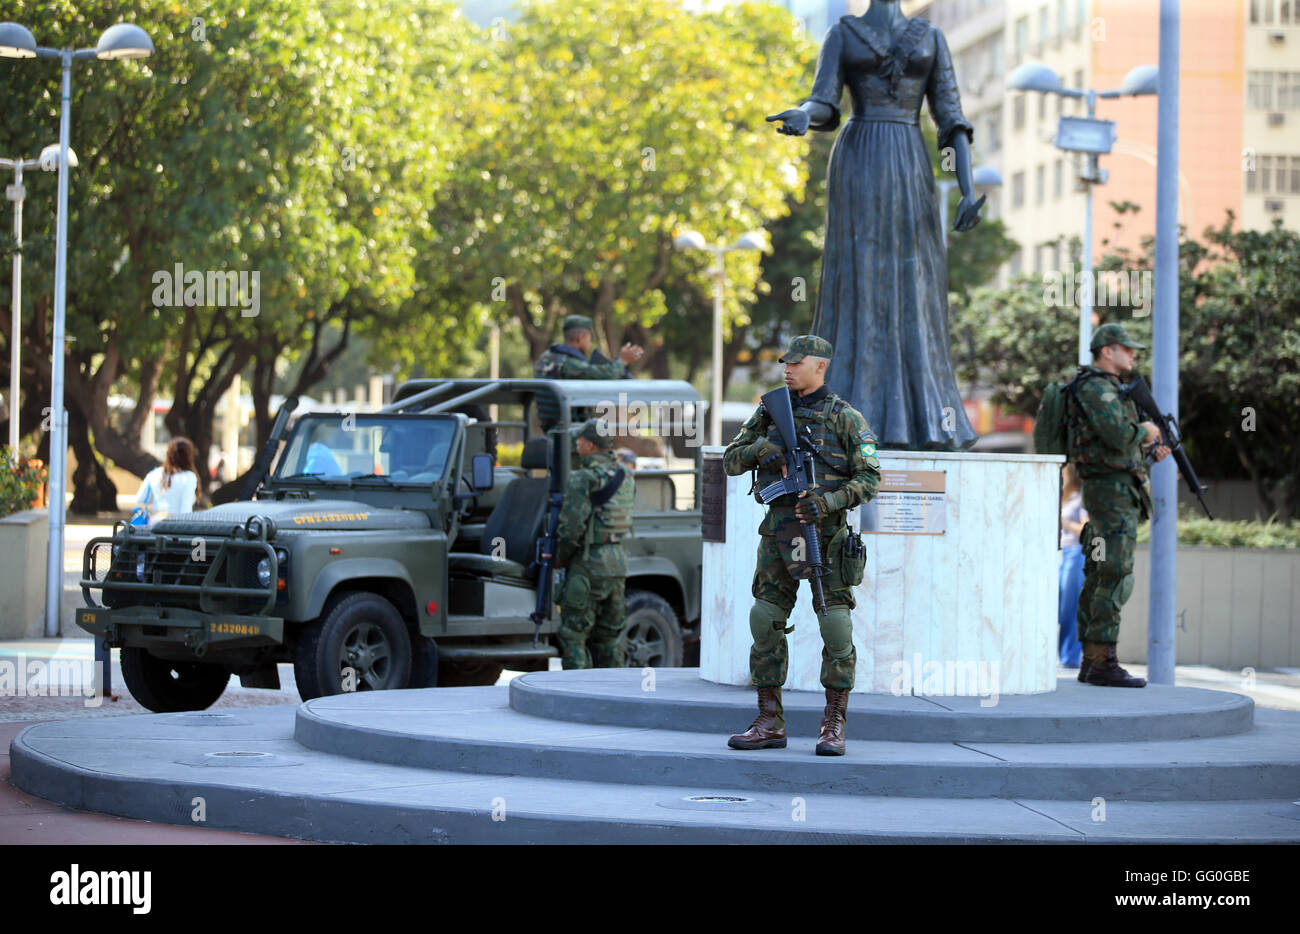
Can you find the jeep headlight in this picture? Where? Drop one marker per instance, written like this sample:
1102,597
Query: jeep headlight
264,572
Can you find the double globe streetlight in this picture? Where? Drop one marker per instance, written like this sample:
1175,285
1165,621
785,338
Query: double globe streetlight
1092,137
693,240
16,41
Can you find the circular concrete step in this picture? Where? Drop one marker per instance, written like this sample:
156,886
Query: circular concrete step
677,699
481,734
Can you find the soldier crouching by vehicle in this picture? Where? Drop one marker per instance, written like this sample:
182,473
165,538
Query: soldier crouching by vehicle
846,463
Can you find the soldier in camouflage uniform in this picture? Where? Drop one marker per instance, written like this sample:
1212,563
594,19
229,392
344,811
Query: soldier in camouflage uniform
574,359
848,473
1107,442
597,515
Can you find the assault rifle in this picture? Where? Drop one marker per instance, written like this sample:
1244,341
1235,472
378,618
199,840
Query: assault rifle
1170,436
799,455
547,544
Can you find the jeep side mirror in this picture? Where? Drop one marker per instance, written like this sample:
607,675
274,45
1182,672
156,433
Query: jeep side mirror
484,472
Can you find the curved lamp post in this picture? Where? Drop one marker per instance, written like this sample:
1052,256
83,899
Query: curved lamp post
121,41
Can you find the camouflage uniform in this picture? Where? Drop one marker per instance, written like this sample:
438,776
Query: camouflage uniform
848,474
561,361
1106,437
593,612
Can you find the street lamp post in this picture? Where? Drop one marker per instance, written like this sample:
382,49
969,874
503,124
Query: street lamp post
984,176
1092,137
692,240
49,161
121,41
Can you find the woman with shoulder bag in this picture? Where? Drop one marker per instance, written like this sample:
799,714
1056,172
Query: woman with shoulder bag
169,489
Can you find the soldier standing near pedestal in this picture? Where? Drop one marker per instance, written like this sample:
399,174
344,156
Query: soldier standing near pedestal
597,516
849,474
1107,446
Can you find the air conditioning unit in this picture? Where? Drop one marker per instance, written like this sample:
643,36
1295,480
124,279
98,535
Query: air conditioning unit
1276,119
1277,38
1274,205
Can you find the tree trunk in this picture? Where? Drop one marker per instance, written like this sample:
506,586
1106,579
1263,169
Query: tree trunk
93,490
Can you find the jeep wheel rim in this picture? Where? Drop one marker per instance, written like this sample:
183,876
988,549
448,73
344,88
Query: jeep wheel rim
367,652
644,645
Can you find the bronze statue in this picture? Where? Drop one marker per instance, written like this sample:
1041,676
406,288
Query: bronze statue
883,299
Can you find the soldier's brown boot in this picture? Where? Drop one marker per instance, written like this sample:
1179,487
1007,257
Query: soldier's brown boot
830,740
768,729
1107,672
1091,651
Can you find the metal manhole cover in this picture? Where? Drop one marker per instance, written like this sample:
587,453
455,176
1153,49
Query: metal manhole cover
238,759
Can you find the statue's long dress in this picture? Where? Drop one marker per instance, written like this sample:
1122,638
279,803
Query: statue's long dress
883,300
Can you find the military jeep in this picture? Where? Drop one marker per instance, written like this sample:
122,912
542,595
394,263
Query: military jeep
393,549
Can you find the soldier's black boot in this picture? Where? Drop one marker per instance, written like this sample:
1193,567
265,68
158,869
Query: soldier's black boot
1108,673
768,729
830,740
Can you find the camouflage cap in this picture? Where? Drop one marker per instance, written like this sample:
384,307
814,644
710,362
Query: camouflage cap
1109,334
807,345
578,321
596,430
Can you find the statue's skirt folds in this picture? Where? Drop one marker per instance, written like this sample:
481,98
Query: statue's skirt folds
883,300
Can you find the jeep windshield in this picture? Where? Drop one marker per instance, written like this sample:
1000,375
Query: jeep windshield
338,448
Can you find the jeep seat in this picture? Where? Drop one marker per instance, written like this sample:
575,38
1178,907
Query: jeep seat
516,521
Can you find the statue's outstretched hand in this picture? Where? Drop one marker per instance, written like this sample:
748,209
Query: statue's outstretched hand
793,122
968,212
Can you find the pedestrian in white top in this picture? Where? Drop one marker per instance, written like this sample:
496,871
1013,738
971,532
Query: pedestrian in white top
173,487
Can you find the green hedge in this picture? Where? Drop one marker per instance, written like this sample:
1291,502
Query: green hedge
20,482
1218,533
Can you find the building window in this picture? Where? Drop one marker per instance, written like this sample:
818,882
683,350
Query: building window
1040,177
1265,174
1252,181
1080,105
1044,25
997,65
1038,259
1058,178
1018,190
1081,12
1062,17
1018,112
1016,261
995,130
1042,106
1295,175
1022,38
1259,93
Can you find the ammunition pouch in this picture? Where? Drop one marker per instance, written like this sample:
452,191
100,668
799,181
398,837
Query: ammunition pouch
848,558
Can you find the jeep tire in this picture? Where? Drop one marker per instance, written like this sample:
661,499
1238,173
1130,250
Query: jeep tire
652,636
359,631
167,687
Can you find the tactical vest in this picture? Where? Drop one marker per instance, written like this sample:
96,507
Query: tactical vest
1093,455
830,463
611,521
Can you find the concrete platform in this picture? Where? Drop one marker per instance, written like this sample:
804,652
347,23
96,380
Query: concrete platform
1073,713
466,766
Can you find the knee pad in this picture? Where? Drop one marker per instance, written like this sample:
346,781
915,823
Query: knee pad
837,631
767,623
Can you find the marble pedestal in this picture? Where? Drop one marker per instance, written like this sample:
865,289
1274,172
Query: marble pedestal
969,612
